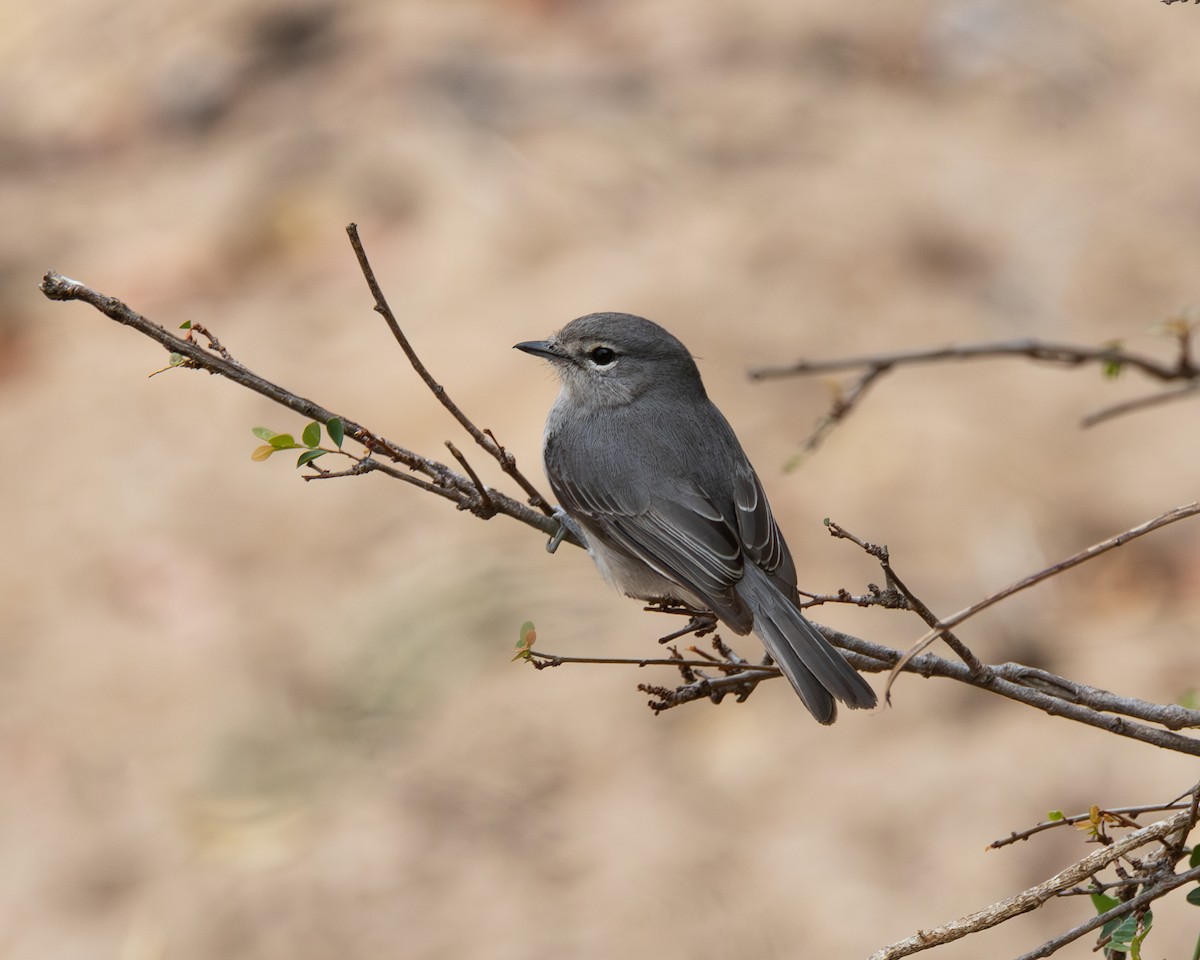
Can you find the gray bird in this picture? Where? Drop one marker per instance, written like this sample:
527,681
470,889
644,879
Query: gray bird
653,474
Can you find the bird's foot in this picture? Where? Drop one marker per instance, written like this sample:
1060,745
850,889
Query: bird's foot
566,527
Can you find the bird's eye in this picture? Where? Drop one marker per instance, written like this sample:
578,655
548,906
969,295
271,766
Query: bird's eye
602,356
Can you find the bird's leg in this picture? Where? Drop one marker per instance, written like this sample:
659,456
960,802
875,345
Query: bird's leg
566,527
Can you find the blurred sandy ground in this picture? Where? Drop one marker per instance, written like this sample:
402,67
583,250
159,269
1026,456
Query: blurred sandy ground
245,716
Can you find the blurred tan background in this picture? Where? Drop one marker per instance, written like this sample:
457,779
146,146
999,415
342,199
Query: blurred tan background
245,716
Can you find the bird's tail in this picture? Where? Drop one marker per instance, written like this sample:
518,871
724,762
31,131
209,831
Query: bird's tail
820,675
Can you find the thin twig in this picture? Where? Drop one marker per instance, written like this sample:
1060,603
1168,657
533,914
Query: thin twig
844,404
369,465
554,660
1193,816
1140,403
741,684
1064,354
874,597
213,342
1095,886
484,438
913,602
1169,517
484,509
1019,835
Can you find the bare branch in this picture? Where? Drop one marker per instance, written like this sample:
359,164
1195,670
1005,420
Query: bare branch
874,597
1049,693
543,660
913,602
1140,403
484,509
844,403
1063,354
441,479
1113,357
1124,812
1037,895
1147,896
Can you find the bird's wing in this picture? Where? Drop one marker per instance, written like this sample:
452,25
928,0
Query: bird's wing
759,533
683,536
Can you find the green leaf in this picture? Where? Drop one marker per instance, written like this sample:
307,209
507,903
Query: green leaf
283,441
526,638
1120,932
1194,859
176,359
311,435
308,456
261,453
337,431
1103,903
1136,944
1194,897
186,325
1123,934
263,433
1055,815
1112,366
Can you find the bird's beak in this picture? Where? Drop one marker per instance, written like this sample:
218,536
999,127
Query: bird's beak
546,349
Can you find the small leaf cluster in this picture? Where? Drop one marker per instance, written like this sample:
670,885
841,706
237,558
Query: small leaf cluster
310,441
1124,934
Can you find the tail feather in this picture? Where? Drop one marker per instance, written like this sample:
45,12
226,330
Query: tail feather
818,673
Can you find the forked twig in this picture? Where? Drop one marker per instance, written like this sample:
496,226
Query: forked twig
484,438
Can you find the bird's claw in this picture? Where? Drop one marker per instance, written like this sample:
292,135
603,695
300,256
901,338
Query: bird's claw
566,527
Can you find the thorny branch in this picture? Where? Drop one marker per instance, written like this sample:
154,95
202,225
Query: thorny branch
1112,357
